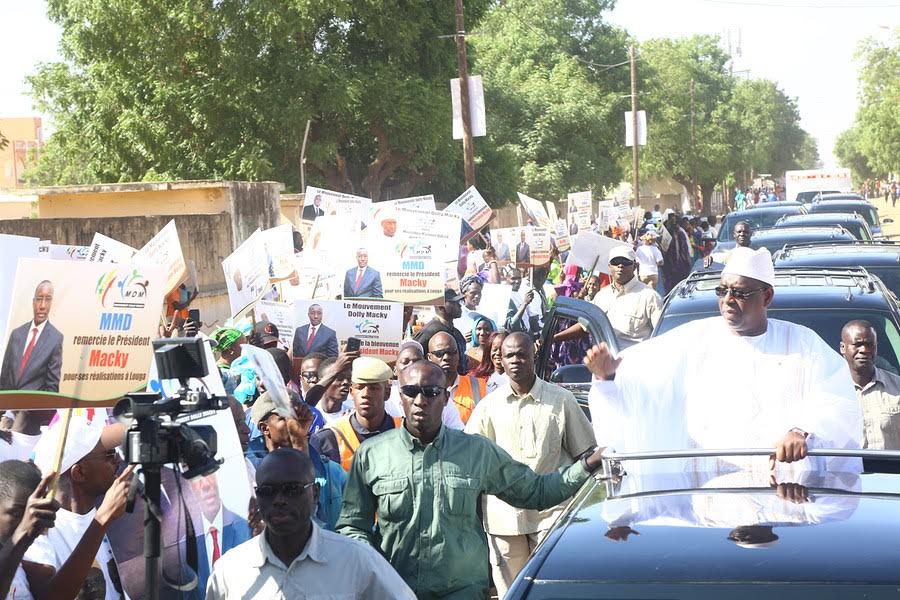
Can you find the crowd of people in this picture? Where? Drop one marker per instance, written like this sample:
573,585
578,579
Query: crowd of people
437,476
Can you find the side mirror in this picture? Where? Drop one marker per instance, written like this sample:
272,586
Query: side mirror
887,220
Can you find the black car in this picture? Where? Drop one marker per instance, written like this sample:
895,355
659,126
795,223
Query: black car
713,535
824,204
880,258
760,216
775,238
822,299
852,222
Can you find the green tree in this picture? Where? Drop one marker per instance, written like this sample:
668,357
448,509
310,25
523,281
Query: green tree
847,150
199,89
771,139
666,69
552,103
878,116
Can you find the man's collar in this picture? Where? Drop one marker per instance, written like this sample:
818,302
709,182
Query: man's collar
40,327
413,443
312,551
628,287
216,522
534,393
877,377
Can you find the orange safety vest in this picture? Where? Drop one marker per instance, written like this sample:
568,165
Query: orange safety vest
467,396
347,439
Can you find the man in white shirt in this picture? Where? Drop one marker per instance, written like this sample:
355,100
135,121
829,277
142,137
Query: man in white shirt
52,565
736,380
649,259
632,307
294,557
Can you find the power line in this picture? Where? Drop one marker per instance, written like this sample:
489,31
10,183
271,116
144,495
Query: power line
784,5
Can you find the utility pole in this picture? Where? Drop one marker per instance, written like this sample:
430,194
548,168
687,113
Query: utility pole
693,150
468,148
635,181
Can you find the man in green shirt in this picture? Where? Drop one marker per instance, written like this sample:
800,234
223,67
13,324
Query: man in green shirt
423,480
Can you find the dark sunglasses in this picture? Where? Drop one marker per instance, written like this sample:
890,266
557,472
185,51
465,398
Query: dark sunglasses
621,262
429,391
270,490
107,455
310,375
441,353
722,291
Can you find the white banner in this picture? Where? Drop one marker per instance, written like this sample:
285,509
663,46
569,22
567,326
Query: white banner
477,120
164,249
590,249
642,128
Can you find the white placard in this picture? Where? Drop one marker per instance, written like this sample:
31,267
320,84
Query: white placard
477,118
642,128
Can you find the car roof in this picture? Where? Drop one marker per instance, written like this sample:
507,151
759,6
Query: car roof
821,217
776,204
778,236
830,205
849,533
845,253
838,196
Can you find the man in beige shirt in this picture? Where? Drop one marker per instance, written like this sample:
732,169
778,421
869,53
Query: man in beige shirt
540,425
878,390
632,307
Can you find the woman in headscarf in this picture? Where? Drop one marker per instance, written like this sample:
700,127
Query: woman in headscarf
481,331
470,287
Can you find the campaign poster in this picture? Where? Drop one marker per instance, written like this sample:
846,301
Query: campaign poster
591,249
559,231
536,211
164,249
246,273
425,202
378,325
79,330
12,248
473,210
280,314
528,246
63,252
319,202
580,209
104,249
607,213
278,248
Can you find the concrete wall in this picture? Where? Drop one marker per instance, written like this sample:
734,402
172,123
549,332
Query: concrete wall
253,205
205,239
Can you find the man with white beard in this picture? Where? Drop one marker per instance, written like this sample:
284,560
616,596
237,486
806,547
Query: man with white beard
736,380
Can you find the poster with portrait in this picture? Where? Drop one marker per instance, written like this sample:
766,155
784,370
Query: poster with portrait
607,213
104,249
78,330
580,210
473,210
528,246
559,231
280,314
12,248
378,325
246,273
425,202
319,202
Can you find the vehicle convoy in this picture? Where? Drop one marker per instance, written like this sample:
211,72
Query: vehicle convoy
802,186
881,258
852,222
731,533
841,203
775,238
760,216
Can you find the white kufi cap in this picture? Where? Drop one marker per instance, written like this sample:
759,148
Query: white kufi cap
755,264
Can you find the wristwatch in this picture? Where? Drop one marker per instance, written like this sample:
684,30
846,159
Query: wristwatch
800,431
584,456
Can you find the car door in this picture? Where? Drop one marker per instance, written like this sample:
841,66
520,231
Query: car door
562,364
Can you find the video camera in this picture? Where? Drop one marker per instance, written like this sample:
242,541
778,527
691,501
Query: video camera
153,440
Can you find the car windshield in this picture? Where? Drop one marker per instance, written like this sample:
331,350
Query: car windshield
759,219
827,323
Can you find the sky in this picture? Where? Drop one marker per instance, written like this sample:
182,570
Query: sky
806,46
